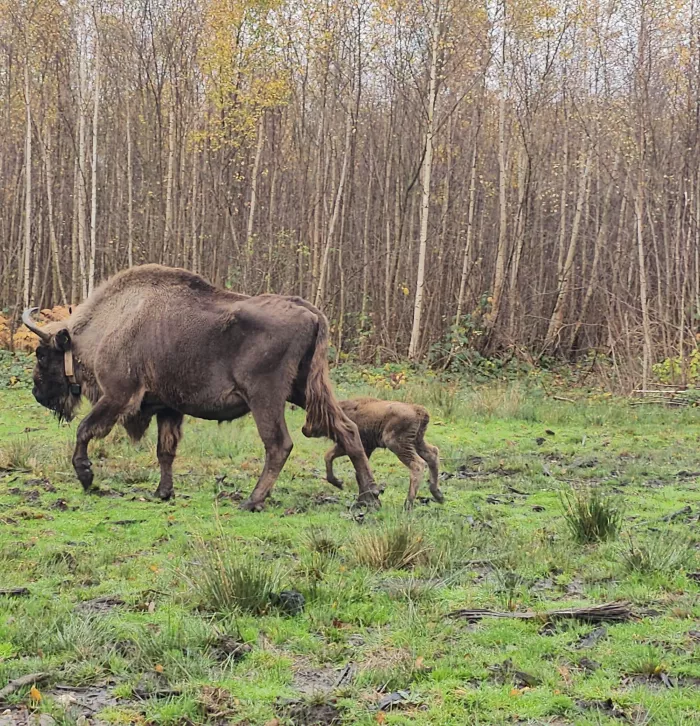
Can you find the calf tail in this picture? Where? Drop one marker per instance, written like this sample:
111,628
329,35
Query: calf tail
423,419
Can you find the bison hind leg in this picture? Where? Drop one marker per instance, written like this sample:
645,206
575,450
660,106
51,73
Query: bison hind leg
136,425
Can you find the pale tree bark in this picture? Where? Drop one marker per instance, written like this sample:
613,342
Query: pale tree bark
254,189
499,275
93,190
169,183
556,322
334,215
130,187
27,187
45,148
414,345
466,255
82,172
600,241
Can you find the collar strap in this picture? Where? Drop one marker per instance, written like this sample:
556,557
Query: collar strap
69,368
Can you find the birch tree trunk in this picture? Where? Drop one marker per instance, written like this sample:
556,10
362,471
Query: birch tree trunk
334,216
27,188
93,190
557,320
169,184
82,175
45,148
254,189
413,348
466,255
130,187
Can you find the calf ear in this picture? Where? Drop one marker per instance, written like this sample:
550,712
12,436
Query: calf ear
62,340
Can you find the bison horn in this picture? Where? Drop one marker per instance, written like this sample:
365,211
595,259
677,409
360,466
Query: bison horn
27,320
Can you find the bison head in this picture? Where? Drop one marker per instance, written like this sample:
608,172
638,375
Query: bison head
52,389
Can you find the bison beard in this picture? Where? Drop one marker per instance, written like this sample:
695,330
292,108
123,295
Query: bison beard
163,342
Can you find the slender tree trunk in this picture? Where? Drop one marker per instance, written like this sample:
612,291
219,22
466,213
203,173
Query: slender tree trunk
334,216
556,322
414,345
130,187
169,184
27,188
254,189
93,203
45,148
82,175
466,256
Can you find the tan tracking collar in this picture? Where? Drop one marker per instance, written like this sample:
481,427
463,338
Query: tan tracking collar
69,368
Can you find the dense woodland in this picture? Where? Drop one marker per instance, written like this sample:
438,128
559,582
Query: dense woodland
437,175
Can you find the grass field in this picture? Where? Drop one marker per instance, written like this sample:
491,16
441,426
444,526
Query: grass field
144,612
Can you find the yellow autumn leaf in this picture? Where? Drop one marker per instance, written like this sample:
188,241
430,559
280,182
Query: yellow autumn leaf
159,668
35,694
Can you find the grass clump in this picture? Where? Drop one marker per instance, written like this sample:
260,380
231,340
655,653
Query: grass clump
591,516
391,547
226,582
322,541
664,552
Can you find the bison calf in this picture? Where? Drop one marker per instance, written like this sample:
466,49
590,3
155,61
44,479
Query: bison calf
399,427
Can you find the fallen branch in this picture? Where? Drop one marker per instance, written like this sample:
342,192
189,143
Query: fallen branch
14,592
610,612
21,682
563,398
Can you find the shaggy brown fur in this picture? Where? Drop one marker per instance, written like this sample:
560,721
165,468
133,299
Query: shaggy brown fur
399,427
163,342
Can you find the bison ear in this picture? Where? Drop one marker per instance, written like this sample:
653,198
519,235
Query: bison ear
62,340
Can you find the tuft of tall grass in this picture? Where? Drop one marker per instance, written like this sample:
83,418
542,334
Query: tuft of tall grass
591,516
22,454
322,541
228,581
391,547
663,552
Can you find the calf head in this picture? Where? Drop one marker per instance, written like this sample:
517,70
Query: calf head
52,387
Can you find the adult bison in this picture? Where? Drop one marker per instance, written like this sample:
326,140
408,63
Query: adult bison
160,341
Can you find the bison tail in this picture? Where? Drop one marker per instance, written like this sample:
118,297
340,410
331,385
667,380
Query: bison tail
323,413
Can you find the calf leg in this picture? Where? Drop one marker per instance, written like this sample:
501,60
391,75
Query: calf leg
278,445
431,455
408,456
169,435
331,455
96,425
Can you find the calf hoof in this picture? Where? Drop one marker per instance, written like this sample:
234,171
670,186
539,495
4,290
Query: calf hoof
248,505
408,505
337,483
438,496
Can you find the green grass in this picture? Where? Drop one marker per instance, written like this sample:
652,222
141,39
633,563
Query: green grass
166,612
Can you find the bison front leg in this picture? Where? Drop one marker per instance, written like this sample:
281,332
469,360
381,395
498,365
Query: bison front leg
348,437
96,425
278,445
169,435
331,455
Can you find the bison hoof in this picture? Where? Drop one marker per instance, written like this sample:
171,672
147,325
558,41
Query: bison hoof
85,476
408,505
337,483
369,499
163,494
248,505
438,496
